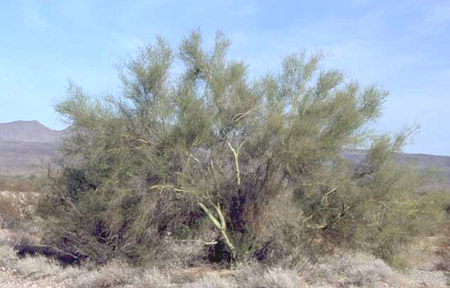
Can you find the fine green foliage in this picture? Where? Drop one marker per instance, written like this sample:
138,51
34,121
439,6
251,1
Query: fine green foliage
209,154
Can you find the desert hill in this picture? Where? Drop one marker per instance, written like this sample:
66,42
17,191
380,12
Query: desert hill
29,131
27,146
434,165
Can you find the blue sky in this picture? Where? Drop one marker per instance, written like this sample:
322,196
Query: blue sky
402,45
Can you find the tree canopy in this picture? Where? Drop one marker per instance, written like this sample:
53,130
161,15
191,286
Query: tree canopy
209,153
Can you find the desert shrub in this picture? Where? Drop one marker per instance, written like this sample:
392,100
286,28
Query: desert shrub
38,266
114,274
442,250
30,183
208,154
395,213
10,214
16,208
252,276
7,256
352,269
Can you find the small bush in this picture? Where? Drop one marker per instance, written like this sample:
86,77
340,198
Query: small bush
354,270
21,183
16,208
37,266
7,256
443,250
258,276
114,274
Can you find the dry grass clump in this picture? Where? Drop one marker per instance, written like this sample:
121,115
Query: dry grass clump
353,270
8,237
174,253
35,267
245,276
210,281
345,269
259,276
154,278
120,274
16,207
7,256
443,251
10,214
113,274
20,183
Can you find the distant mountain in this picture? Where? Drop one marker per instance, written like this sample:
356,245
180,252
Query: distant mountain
27,146
29,131
435,165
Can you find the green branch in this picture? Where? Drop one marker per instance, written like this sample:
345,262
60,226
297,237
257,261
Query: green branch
236,161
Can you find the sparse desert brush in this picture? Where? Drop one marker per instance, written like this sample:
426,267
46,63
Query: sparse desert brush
252,276
17,208
207,155
12,210
7,256
442,250
353,269
21,183
344,269
38,266
114,274
118,274
9,213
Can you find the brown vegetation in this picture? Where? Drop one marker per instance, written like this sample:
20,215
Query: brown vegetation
172,266
343,270
20,183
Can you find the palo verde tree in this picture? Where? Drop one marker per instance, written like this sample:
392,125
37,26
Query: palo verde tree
208,147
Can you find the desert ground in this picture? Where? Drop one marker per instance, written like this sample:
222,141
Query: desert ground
20,193
344,269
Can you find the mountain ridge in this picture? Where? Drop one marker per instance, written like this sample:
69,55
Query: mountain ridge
27,146
29,132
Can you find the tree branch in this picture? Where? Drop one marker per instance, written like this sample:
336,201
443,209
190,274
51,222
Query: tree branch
236,161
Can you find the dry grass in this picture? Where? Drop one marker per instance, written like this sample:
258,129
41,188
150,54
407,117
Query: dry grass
7,256
354,269
348,269
114,274
344,269
117,274
20,183
38,266
442,251
16,207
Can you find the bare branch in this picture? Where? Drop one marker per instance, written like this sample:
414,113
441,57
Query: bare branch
236,161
